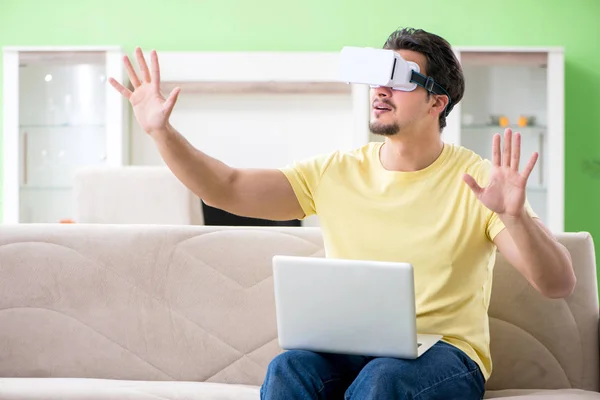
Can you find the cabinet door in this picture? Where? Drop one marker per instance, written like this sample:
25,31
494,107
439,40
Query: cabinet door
62,117
511,89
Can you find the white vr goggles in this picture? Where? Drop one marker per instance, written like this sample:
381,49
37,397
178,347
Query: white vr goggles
382,67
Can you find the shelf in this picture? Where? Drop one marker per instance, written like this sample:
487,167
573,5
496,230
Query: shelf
258,87
61,126
495,58
37,187
536,129
534,188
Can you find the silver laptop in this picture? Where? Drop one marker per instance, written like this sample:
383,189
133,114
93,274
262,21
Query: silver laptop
347,307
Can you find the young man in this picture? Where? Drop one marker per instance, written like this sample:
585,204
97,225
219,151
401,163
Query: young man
412,198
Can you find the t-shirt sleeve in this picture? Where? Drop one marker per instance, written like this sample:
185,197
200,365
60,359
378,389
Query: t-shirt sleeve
305,177
494,224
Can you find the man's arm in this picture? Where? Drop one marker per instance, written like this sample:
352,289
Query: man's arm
525,242
258,193
533,250
263,193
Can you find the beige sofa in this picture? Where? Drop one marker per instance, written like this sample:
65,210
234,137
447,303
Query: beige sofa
187,312
133,195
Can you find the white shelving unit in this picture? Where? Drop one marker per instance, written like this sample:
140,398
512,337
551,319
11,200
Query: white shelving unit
67,116
504,85
59,114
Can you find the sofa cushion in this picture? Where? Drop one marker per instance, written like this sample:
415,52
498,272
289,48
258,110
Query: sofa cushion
147,195
531,394
109,389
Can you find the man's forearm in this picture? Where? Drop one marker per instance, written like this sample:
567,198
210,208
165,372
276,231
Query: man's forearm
547,262
207,177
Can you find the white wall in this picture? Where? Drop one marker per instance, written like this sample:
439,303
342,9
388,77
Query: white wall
256,130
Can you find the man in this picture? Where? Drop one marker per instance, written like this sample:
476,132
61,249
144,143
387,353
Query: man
412,198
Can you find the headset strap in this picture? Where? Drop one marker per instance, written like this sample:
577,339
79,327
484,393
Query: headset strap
431,86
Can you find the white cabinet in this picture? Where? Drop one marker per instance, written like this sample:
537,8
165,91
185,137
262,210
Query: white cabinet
520,88
60,114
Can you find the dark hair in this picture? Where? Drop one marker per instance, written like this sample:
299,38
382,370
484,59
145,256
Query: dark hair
442,64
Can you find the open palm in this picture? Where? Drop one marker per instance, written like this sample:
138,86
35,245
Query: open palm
150,107
505,192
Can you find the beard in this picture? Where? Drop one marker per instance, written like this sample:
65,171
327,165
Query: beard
384,129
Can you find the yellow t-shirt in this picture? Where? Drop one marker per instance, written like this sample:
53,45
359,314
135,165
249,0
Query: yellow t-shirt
429,218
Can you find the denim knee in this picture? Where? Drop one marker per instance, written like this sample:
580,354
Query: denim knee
383,370
294,374
290,359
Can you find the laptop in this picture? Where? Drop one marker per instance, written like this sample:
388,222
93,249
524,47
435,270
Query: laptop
347,307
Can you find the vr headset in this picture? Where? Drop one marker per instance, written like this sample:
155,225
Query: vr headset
381,67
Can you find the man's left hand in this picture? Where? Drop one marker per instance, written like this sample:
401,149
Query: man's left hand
505,193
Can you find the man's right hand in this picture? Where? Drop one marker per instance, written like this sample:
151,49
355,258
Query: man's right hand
150,107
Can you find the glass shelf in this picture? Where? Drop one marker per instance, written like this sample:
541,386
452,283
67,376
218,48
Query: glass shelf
535,129
535,188
62,126
49,187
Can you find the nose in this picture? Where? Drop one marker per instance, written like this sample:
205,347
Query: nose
383,91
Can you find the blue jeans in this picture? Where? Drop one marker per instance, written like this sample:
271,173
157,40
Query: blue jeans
443,372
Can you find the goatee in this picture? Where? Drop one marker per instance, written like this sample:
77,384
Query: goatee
384,129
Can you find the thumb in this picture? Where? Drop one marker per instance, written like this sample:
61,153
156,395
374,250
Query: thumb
470,181
170,102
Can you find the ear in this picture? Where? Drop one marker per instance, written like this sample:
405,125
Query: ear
439,104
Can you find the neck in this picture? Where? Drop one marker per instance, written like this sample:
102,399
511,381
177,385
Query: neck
410,153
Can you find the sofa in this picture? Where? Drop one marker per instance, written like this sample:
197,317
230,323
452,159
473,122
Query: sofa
95,311
133,194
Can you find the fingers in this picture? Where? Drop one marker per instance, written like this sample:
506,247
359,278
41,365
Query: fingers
496,150
472,183
506,152
516,152
144,71
120,88
170,103
155,68
510,156
135,81
529,167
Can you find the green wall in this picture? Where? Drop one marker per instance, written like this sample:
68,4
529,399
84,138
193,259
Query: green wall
328,25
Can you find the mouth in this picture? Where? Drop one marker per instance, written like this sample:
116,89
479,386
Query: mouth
381,108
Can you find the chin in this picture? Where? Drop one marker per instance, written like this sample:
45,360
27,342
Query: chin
379,128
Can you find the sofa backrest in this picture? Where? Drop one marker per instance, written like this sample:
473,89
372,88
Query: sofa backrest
147,195
196,303
538,342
